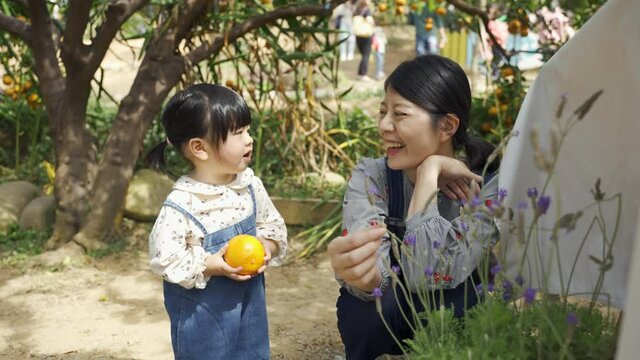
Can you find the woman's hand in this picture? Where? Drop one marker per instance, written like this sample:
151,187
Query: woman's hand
455,179
354,257
216,266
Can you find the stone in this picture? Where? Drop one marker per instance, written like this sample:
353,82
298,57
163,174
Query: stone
39,214
15,196
147,191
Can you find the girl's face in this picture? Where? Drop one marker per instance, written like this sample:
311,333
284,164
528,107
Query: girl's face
407,131
234,155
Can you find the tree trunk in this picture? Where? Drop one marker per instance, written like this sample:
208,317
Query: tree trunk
153,83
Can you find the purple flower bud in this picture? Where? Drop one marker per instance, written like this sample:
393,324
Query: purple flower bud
502,193
529,295
572,319
395,269
410,239
436,244
476,201
519,280
495,269
543,204
428,271
490,287
464,227
377,293
532,192
507,285
506,296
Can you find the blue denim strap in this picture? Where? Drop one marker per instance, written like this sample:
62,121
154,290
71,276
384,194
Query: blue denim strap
178,208
253,198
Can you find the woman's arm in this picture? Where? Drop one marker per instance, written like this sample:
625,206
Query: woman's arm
358,257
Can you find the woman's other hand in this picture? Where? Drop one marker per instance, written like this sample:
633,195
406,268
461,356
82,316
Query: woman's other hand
354,257
455,179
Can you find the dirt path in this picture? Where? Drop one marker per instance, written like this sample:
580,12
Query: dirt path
112,309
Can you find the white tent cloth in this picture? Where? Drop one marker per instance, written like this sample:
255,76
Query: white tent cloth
604,54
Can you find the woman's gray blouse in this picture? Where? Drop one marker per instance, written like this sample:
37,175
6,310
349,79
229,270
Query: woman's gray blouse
442,248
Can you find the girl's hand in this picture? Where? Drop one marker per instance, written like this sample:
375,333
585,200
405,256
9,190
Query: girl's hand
354,257
455,179
270,247
216,266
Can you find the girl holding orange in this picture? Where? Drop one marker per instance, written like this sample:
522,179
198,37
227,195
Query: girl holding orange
215,310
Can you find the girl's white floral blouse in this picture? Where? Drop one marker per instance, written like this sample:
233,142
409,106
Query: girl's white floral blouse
175,243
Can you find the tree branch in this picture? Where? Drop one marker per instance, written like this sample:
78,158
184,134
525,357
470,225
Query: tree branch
76,21
117,13
208,48
16,27
484,16
46,62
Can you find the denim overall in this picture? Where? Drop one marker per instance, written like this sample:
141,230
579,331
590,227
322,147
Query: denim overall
225,320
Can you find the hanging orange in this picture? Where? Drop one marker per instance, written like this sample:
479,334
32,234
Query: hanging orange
246,251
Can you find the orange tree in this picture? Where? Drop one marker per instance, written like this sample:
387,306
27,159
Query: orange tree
64,44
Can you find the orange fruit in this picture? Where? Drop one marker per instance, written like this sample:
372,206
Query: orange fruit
493,111
246,251
401,2
441,11
486,126
507,71
414,7
7,79
33,98
428,26
399,10
382,7
514,26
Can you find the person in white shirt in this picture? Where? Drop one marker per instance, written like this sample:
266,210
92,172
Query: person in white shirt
214,310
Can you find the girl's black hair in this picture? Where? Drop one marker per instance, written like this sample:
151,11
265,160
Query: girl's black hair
200,111
441,87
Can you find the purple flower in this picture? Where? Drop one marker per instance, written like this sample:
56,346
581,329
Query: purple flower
519,280
506,296
532,192
529,295
410,239
572,319
476,201
490,287
522,205
377,293
479,288
502,193
464,227
436,244
495,269
395,269
428,271
507,285
543,204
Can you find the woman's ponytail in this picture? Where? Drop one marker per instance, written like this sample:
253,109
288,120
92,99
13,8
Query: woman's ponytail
477,152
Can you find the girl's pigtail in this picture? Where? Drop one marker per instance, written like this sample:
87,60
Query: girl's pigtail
155,158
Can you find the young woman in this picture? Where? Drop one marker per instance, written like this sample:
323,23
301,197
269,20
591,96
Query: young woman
423,124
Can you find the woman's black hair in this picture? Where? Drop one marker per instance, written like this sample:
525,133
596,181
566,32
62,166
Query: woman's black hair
200,111
441,87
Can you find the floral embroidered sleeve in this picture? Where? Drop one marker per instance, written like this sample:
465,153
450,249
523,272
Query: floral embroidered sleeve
270,224
447,252
175,251
364,206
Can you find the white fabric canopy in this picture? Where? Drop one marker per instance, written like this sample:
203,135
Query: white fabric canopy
604,54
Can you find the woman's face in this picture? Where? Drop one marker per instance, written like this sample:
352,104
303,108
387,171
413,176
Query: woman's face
407,132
